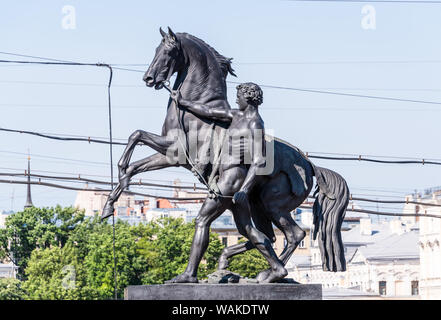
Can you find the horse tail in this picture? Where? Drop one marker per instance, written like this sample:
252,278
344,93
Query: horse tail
332,198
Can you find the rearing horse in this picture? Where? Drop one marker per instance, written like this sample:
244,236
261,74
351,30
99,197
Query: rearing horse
201,77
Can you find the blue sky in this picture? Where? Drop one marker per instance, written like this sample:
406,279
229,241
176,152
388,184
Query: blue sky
319,46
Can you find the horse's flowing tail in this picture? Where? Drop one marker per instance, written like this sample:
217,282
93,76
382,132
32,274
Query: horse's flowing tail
332,198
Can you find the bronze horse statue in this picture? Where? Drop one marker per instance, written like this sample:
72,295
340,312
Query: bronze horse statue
201,77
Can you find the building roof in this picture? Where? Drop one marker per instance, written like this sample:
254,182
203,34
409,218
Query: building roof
297,260
395,246
354,236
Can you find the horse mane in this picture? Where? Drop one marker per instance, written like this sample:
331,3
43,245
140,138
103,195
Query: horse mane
224,62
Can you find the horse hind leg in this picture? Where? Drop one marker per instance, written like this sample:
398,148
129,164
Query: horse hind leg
261,222
293,235
231,251
279,202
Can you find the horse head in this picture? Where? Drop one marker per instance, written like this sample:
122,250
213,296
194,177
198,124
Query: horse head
168,60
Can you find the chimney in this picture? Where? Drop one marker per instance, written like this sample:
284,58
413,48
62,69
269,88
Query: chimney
365,227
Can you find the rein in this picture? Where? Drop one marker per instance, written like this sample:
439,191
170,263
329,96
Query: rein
166,85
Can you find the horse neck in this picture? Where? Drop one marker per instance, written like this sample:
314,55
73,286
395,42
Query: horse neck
202,79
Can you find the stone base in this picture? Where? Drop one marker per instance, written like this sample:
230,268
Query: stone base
272,291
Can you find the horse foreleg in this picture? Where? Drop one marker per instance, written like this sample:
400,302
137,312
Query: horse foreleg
154,162
156,142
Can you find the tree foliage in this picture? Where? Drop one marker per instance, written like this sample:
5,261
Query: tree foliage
61,254
10,289
35,228
248,264
166,244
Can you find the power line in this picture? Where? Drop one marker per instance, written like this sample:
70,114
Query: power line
233,82
360,158
143,86
384,213
82,179
141,183
344,94
70,63
200,198
75,175
287,108
53,185
367,155
423,161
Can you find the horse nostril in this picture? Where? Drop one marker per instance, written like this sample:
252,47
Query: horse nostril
148,80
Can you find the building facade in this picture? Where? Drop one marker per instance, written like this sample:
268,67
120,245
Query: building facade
381,259
429,242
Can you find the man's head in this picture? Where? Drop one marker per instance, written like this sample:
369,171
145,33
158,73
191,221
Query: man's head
249,93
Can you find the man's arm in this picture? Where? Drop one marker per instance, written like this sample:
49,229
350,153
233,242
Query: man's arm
213,113
259,157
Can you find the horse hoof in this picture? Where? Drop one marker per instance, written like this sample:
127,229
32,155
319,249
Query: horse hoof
108,211
263,275
270,275
183,278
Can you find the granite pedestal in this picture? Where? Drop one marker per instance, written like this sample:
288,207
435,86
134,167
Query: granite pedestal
202,291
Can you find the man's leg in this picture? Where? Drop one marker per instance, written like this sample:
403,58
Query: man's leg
229,182
211,209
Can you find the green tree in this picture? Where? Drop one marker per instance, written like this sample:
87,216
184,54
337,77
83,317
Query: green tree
84,267
55,274
11,289
35,228
99,263
248,264
165,245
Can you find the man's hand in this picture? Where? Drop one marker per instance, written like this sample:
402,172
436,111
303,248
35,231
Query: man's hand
240,198
176,96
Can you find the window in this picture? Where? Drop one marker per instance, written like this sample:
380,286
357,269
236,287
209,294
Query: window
382,288
415,290
224,241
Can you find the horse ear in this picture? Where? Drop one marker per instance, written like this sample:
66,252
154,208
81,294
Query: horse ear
172,34
162,32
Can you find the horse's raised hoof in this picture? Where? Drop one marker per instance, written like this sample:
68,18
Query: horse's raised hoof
183,278
270,275
108,211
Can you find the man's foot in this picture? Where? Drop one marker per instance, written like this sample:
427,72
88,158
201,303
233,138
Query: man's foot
271,275
183,278
108,211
